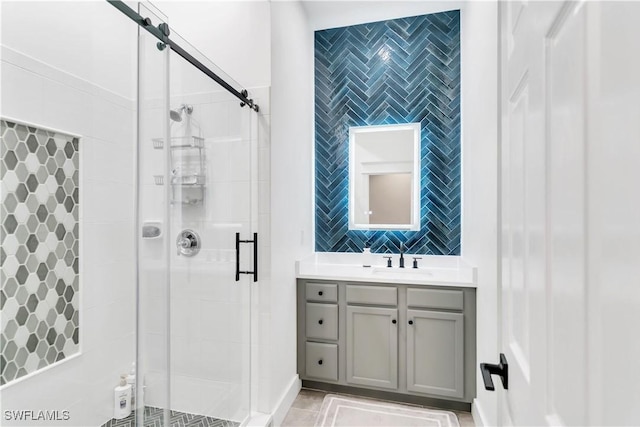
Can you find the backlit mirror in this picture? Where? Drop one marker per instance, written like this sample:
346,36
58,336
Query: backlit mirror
384,177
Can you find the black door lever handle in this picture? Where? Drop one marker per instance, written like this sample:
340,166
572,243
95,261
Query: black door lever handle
502,370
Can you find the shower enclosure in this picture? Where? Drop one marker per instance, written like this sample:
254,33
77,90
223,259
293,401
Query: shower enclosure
129,221
195,162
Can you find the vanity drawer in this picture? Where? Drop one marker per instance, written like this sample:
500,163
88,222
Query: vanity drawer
377,295
435,298
322,321
322,292
322,361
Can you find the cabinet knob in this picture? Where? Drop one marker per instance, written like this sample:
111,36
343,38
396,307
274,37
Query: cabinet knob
320,322
320,293
394,321
320,362
411,322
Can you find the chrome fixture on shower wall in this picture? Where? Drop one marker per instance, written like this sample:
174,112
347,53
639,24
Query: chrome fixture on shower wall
176,115
188,243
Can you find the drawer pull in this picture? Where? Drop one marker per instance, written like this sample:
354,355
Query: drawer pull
320,322
394,321
411,322
320,362
320,293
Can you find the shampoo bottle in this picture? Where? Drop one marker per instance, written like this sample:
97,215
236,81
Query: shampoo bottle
122,399
131,380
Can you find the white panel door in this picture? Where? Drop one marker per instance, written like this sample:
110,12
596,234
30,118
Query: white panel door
555,173
523,209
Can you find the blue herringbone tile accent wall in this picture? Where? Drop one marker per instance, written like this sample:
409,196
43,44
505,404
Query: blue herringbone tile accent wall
398,71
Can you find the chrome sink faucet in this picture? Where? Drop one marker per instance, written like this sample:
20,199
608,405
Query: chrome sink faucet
402,248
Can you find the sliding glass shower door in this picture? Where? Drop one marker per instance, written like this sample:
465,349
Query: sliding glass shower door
194,220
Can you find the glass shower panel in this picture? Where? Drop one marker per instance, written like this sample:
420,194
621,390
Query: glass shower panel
154,238
210,202
195,192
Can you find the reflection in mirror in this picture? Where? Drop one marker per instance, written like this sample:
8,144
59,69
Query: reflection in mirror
384,177
390,198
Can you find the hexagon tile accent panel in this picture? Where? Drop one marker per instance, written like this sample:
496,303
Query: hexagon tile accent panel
39,299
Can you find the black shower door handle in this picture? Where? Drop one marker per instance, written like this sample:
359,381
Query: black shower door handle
255,257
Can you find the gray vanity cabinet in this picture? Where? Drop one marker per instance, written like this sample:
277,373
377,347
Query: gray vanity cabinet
372,346
412,343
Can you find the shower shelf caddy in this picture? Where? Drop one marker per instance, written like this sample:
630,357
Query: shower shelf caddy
190,186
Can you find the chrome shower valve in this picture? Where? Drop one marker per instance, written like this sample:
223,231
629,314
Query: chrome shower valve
188,243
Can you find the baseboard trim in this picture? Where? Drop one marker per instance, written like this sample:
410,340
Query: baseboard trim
387,395
286,400
477,413
259,419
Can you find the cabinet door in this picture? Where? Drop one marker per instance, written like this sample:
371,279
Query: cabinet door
435,353
372,346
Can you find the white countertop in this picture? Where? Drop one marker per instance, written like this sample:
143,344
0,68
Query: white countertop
433,270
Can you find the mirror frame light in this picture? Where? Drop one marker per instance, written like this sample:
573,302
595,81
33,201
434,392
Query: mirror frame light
414,225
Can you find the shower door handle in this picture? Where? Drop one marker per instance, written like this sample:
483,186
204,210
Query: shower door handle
255,257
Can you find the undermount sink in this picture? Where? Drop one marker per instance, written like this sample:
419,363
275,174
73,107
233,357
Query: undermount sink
407,271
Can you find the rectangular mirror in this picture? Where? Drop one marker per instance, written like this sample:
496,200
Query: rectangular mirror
384,177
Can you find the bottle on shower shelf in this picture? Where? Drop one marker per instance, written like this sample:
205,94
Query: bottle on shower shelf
122,399
131,380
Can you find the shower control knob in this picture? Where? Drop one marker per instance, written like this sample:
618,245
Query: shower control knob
188,243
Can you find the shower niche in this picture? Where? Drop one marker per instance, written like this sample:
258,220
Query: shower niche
187,174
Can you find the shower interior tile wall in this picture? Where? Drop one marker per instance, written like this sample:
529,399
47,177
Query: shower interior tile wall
205,347
37,93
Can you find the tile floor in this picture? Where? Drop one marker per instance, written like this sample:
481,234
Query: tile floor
305,408
153,417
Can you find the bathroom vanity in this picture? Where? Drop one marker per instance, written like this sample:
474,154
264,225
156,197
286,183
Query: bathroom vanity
406,335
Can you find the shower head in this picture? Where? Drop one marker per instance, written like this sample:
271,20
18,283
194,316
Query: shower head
176,115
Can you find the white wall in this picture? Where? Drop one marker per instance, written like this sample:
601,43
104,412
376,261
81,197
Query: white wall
64,92
479,44
291,185
340,13
90,40
613,204
233,34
